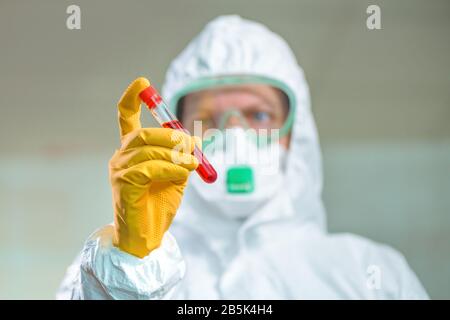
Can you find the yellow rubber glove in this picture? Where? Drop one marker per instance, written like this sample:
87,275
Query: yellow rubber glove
147,185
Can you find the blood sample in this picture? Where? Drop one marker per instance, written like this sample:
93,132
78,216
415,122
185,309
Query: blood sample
166,119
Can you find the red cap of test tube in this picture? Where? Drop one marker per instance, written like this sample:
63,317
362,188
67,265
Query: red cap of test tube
150,97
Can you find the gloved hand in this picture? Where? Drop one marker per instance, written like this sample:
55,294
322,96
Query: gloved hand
147,185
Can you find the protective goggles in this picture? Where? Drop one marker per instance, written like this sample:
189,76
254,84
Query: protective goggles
200,102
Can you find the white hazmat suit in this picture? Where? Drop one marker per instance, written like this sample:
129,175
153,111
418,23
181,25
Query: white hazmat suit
282,251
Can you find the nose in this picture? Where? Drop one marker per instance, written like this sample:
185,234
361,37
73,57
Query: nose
232,119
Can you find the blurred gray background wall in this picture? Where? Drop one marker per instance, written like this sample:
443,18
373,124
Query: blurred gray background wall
381,100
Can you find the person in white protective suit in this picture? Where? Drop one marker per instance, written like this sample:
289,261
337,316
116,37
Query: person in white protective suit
270,244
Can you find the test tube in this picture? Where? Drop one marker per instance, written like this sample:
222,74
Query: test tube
166,119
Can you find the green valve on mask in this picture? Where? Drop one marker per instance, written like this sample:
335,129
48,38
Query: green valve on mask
240,180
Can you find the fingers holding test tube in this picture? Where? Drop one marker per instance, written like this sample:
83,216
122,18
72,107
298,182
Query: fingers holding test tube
140,145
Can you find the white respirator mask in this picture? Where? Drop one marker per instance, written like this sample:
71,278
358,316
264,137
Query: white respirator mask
250,172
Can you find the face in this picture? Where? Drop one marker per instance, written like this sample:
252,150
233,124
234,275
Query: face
257,106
